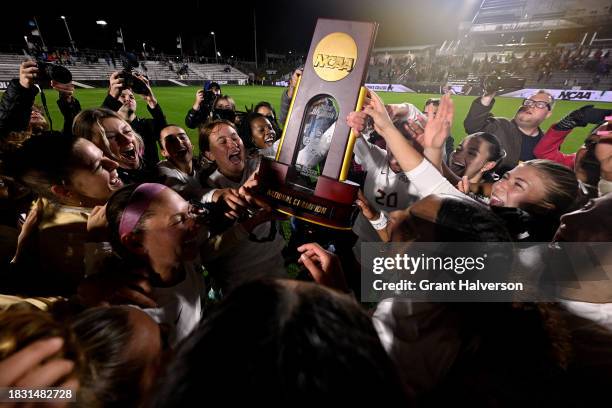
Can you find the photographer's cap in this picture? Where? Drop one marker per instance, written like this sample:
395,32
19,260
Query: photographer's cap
211,85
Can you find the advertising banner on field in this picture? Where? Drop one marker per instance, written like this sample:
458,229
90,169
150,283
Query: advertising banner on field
389,87
566,94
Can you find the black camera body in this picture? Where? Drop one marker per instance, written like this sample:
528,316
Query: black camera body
134,83
131,81
209,95
209,99
500,82
494,82
52,72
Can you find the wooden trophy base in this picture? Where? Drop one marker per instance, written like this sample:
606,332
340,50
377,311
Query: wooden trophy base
332,204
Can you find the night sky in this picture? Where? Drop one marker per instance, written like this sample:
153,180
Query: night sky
281,25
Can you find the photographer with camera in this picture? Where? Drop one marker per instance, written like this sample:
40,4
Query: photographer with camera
203,105
18,99
120,98
210,103
17,110
518,136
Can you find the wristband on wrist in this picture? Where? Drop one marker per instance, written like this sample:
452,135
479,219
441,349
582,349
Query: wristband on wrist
380,223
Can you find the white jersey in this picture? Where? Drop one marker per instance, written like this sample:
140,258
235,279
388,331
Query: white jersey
249,259
180,306
187,185
384,189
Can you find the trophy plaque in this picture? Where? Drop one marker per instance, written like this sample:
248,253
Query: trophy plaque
307,179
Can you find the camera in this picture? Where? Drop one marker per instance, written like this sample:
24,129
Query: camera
131,81
52,72
493,82
502,81
209,100
209,94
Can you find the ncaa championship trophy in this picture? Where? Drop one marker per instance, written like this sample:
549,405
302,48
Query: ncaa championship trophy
307,179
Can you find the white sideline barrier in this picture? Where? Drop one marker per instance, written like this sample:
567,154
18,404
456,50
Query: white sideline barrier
566,94
174,81
389,88
80,85
373,87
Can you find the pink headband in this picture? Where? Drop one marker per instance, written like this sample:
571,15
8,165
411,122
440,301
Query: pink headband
137,205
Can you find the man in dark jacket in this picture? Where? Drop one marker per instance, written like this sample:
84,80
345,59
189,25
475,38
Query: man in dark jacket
122,101
518,136
17,110
17,101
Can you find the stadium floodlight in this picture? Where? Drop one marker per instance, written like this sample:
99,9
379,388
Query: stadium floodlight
101,22
215,42
69,35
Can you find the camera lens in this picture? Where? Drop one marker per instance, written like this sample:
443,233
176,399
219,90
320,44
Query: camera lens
59,74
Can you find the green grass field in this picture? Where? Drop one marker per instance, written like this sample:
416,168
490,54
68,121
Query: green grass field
175,102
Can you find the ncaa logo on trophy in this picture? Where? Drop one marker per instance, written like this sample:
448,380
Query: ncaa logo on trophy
307,179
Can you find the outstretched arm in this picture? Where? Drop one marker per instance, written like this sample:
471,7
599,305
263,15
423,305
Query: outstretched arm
425,177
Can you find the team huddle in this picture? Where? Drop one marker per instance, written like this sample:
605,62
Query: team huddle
137,281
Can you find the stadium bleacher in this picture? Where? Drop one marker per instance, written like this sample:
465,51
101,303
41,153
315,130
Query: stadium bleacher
89,74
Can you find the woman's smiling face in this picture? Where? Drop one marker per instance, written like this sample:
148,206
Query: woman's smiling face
122,142
227,151
520,187
94,177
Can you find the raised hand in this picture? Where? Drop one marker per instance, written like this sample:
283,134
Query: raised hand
149,97
375,108
582,117
66,91
198,100
28,71
366,209
438,127
358,121
323,265
116,84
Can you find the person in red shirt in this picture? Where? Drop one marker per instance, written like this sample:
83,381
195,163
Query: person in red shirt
592,162
549,145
